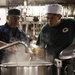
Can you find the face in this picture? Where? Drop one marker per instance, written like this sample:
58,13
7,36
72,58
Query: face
13,20
53,19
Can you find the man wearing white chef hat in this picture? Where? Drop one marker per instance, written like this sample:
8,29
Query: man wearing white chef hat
54,8
52,11
57,34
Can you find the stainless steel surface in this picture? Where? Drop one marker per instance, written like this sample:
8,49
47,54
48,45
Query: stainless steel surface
58,64
28,63
68,53
27,68
24,70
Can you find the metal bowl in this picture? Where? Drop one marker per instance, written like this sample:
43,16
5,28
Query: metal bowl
68,53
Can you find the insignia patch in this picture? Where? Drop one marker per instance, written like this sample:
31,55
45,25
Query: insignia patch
65,30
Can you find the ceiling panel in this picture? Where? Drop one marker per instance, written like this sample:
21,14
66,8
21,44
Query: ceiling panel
11,2
34,2
42,2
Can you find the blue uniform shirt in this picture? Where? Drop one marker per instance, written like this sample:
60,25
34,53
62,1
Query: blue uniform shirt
11,35
8,34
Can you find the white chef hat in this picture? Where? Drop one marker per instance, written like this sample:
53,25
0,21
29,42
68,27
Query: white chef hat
54,8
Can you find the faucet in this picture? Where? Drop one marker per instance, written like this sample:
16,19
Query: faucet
15,43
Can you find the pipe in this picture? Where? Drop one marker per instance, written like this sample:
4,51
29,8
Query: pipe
15,43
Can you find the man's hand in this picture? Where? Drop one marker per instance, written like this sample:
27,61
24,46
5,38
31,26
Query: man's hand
2,43
12,48
39,52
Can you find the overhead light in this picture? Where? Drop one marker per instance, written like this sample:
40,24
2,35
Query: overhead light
25,3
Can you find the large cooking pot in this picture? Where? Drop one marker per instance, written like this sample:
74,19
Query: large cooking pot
27,68
19,63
